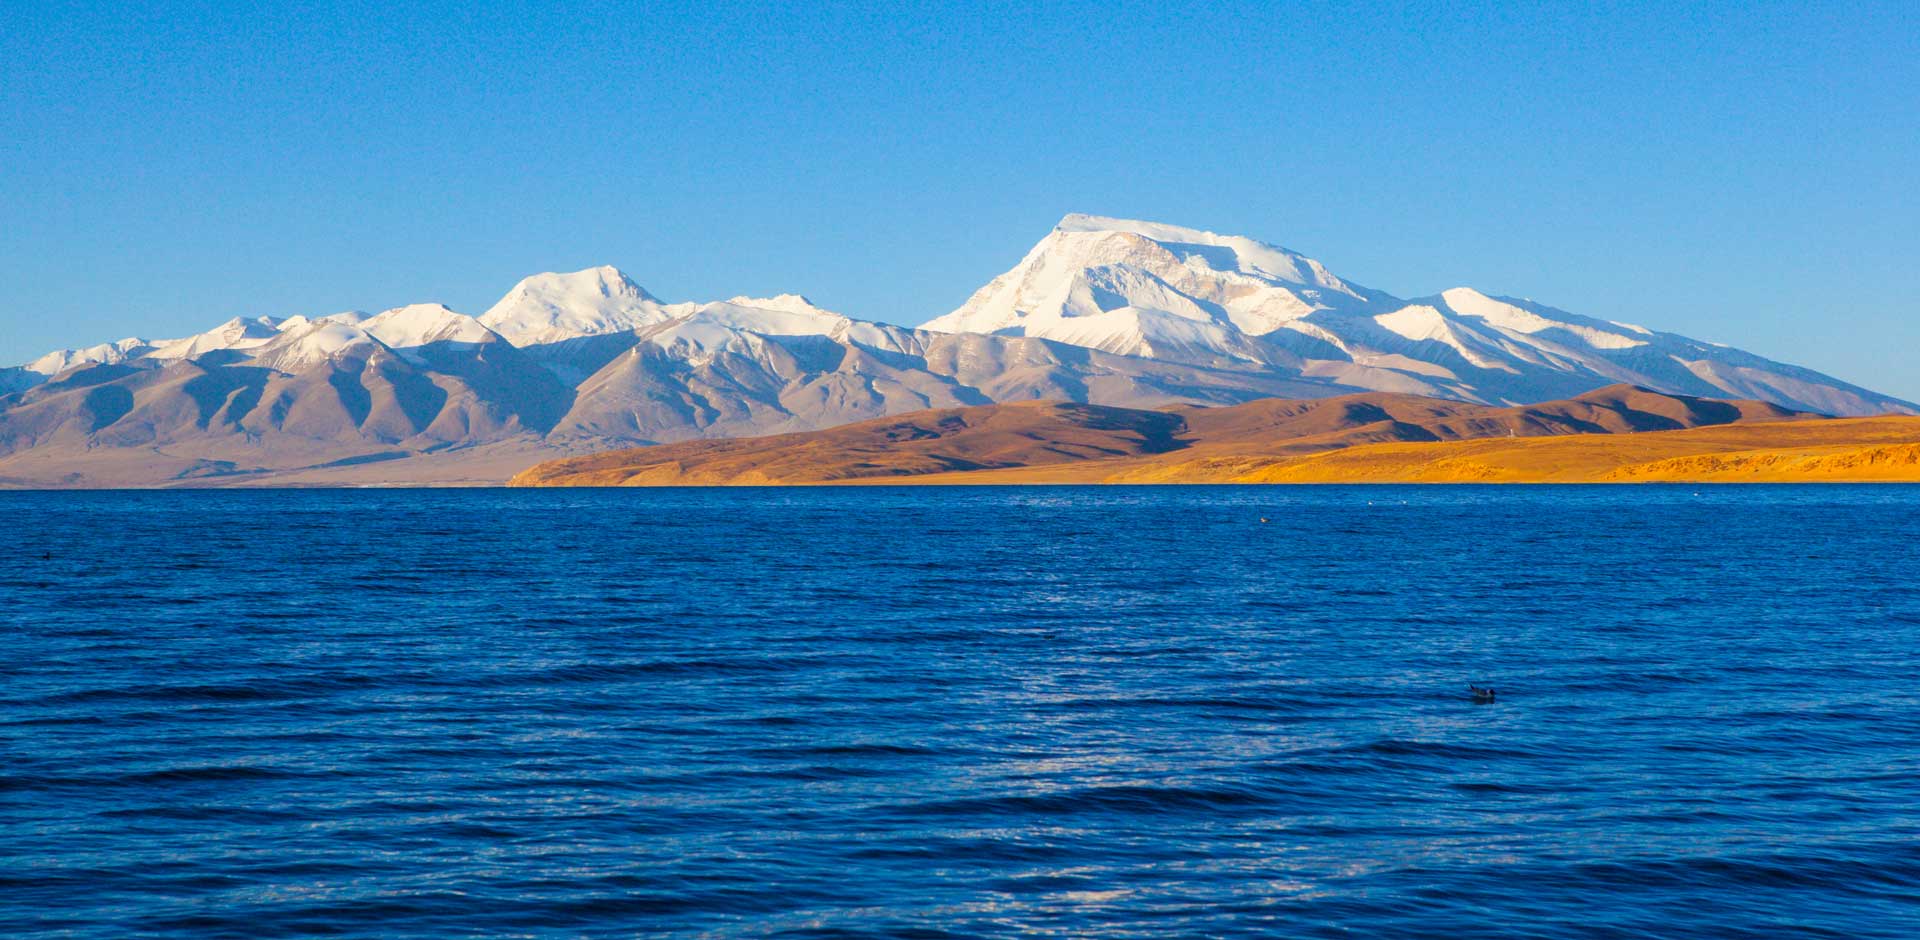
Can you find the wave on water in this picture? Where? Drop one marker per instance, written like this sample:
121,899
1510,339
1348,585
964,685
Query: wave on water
1113,712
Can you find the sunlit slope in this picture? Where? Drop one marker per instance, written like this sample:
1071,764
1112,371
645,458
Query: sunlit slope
1846,450
1618,434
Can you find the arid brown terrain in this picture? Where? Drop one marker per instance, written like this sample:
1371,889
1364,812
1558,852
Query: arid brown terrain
1615,434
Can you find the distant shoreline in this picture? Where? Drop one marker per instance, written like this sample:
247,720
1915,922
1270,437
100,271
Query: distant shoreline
907,482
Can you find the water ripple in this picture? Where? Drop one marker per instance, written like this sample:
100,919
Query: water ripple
1113,712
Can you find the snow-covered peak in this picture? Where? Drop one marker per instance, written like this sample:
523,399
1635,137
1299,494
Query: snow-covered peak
305,342
425,324
1091,266
350,317
237,333
734,325
1086,222
602,281
759,319
60,360
548,308
1231,252
791,303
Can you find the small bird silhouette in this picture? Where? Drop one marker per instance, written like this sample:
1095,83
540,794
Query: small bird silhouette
1480,694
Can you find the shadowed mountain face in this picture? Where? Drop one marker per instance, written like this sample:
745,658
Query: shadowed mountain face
1102,311
1062,441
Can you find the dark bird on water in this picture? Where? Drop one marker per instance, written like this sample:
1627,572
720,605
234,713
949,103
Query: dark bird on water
1480,694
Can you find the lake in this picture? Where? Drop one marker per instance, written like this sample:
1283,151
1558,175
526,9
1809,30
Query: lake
961,712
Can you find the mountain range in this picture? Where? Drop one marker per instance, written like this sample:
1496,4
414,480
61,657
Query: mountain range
1102,311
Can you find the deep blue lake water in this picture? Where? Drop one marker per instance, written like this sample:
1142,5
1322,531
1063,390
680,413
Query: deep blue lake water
1109,712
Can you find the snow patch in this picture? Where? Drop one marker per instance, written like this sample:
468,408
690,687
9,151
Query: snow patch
1511,318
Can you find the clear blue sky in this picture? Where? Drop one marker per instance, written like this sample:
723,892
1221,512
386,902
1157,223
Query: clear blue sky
1746,174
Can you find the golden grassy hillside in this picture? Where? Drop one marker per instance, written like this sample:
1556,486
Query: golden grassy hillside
1885,449
1618,434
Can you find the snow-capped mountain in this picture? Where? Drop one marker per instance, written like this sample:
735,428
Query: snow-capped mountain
1102,310
551,308
1147,289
